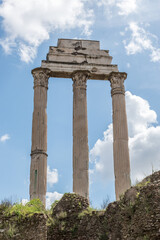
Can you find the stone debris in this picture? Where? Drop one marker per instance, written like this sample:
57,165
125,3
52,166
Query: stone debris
136,216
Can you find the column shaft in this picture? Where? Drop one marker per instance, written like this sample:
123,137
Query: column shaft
80,135
38,168
120,134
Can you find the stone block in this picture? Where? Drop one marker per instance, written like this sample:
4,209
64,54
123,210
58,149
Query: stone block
76,43
72,55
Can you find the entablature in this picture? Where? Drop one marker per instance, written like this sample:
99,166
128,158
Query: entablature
72,55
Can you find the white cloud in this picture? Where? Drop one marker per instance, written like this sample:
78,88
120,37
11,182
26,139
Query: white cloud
122,33
27,53
128,65
127,7
52,176
28,23
7,44
4,138
122,12
144,151
24,201
106,2
122,7
155,54
144,143
142,40
51,197
140,116
101,154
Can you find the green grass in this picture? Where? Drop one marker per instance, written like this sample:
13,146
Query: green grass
61,215
11,230
85,212
32,207
5,204
53,205
143,183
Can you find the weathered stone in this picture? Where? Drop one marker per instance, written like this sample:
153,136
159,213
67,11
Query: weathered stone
79,55
120,134
71,219
38,169
71,204
80,60
131,195
125,219
29,228
80,135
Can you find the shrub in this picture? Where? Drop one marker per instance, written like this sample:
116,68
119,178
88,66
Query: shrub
32,207
54,204
6,203
11,230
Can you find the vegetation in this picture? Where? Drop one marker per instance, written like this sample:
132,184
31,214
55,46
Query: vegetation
104,236
89,211
105,203
5,204
53,205
11,230
62,215
74,229
143,183
18,209
17,212
146,237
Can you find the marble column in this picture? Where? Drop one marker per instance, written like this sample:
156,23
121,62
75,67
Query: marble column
120,134
38,168
80,134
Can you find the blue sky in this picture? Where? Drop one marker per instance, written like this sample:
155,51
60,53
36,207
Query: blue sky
129,29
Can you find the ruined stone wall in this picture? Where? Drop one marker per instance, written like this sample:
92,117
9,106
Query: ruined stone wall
135,217
28,228
73,219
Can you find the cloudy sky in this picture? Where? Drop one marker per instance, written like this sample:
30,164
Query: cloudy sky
129,29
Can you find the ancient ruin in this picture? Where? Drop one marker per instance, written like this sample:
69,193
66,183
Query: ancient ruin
136,216
80,60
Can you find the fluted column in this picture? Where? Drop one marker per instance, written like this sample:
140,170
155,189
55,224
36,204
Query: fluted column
38,168
120,134
80,134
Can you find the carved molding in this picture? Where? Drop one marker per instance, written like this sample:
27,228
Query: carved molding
37,152
117,82
41,76
80,79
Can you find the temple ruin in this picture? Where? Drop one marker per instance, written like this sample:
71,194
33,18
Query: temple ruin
81,60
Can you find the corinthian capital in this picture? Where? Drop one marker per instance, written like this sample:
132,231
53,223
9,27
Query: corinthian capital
41,76
80,79
117,82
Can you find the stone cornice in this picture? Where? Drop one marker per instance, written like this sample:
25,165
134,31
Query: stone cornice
117,82
80,79
41,76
